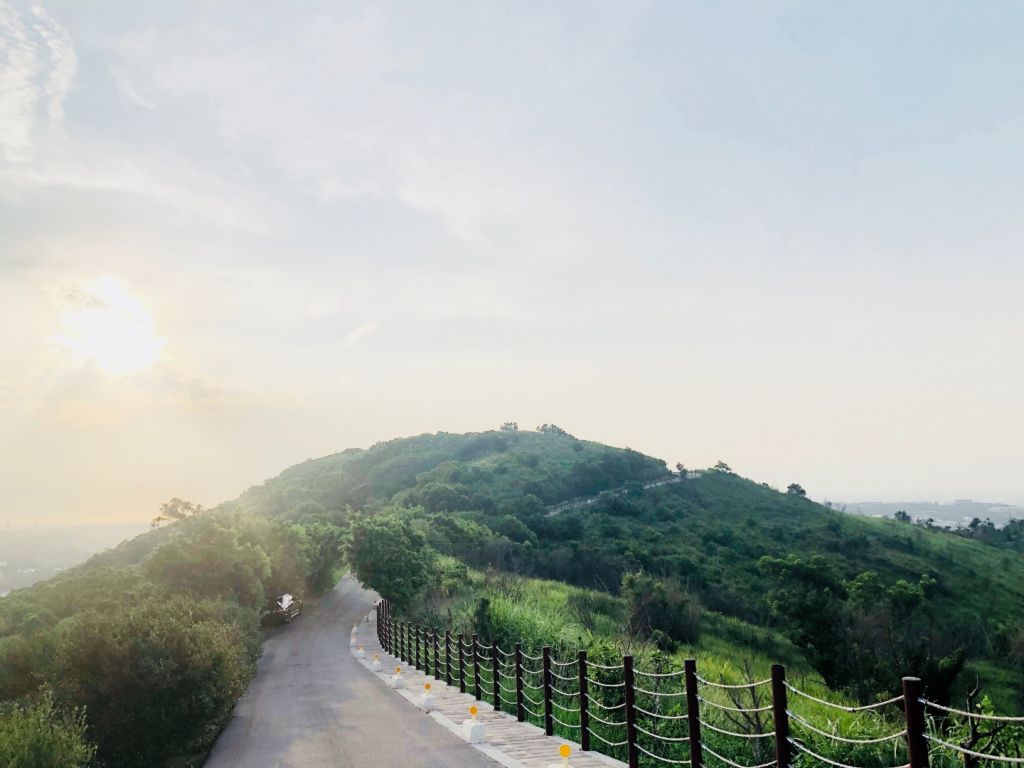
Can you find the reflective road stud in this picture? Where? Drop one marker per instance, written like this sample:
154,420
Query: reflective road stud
473,729
397,681
375,665
427,700
563,751
360,652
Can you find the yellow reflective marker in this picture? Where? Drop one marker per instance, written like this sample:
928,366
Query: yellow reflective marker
472,712
564,751
426,686
398,670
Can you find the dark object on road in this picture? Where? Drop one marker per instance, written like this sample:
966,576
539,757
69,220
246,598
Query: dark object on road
281,610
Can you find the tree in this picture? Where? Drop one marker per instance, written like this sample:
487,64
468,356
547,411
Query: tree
902,516
388,555
721,466
510,426
553,429
680,468
174,510
795,489
206,559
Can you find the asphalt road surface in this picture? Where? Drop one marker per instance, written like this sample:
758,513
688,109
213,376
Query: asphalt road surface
312,705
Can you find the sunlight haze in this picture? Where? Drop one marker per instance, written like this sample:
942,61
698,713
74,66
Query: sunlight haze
234,236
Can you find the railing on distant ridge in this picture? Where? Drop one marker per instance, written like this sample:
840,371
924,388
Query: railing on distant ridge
582,501
637,715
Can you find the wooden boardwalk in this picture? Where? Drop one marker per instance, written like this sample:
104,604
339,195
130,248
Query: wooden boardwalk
509,742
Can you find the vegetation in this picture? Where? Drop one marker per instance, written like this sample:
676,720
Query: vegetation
155,640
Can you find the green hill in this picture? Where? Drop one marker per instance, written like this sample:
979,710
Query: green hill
474,527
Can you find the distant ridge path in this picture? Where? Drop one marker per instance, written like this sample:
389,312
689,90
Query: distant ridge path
312,705
584,501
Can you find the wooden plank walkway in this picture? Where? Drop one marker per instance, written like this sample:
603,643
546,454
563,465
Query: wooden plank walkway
509,742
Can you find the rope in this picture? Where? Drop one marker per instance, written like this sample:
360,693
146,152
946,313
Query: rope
833,763
660,717
599,737
663,738
506,690
506,655
569,695
602,666
741,685
531,658
964,751
592,700
563,707
606,685
818,731
560,722
727,761
531,712
563,677
532,701
735,733
976,715
533,687
602,720
662,759
864,708
638,689
563,663
751,711
659,674
531,671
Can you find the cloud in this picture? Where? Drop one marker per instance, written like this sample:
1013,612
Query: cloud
124,85
63,61
358,334
36,59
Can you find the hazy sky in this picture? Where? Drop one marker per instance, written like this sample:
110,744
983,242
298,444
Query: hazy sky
235,235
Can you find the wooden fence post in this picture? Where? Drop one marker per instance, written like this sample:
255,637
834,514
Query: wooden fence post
549,724
629,688
437,656
520,713
417,659
693,712
462,665
780,711
913,709
496,676
475,639
448,656
581,664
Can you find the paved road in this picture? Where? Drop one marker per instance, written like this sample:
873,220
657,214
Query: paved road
312,705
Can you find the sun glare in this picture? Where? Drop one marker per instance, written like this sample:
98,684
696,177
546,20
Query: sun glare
105,324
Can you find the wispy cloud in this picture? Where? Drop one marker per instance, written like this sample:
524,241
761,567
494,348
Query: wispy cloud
19,63
358,334
37,59
63,61
129,91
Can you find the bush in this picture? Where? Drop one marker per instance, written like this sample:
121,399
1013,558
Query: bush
40,736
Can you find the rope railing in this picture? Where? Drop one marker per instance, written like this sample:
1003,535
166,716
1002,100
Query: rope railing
862,708
845,740
733,686
972,753
669,760
972,715
599,703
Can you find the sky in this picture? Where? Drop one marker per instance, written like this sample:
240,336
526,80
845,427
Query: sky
237,235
